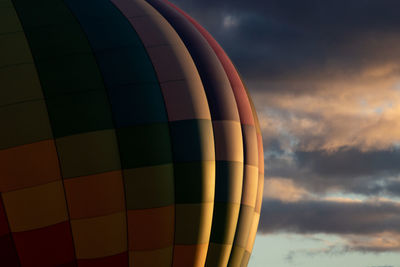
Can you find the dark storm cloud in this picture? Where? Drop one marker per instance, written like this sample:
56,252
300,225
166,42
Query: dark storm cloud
350,162
369,173
285,39
330,217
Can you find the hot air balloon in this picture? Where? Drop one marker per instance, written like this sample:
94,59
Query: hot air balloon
127,139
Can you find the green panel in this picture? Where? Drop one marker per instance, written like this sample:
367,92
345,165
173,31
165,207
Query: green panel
73,73
246,259
9,19
89,153
193,223
14,49
192,140
24,123
144,145
224,222
246,216
79,113
19,83
41,13
149,187
6,4
218,255
55,40
194,182
236,256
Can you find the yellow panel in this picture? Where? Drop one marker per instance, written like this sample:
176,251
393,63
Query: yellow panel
100,236
14,49
250,185
193,223
218,255
157,258
9,19
228,141
19,83
149,187
88,153
24,123
35,207
260,190
190,255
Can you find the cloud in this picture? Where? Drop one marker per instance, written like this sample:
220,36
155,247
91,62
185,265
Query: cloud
284,190
332,217
277,39
325,78
363,226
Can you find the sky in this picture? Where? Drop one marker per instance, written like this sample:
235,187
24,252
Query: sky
325,78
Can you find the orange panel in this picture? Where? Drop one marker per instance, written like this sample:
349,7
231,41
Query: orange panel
151,229
28,165
250,185
100,236
35,207
190,255
95,195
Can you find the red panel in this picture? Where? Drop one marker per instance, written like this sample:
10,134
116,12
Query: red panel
242,100
260,153
119,260
69,264
49,246
4,228
8,255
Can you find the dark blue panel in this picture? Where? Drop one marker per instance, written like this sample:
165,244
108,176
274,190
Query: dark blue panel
127,70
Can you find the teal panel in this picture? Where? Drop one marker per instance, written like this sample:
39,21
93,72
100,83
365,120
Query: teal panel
192,140
224,222
228,181
65,65
127,70
69,74
55,40
194,182
81,112
41,13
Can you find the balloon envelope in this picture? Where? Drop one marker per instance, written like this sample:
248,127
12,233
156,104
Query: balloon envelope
127,139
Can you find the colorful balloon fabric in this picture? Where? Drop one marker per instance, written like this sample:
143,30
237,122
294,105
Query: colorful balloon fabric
127,139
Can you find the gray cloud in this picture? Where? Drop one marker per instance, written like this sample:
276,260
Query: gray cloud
330,217
288,39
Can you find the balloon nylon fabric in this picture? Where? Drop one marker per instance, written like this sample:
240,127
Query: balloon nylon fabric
128,139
